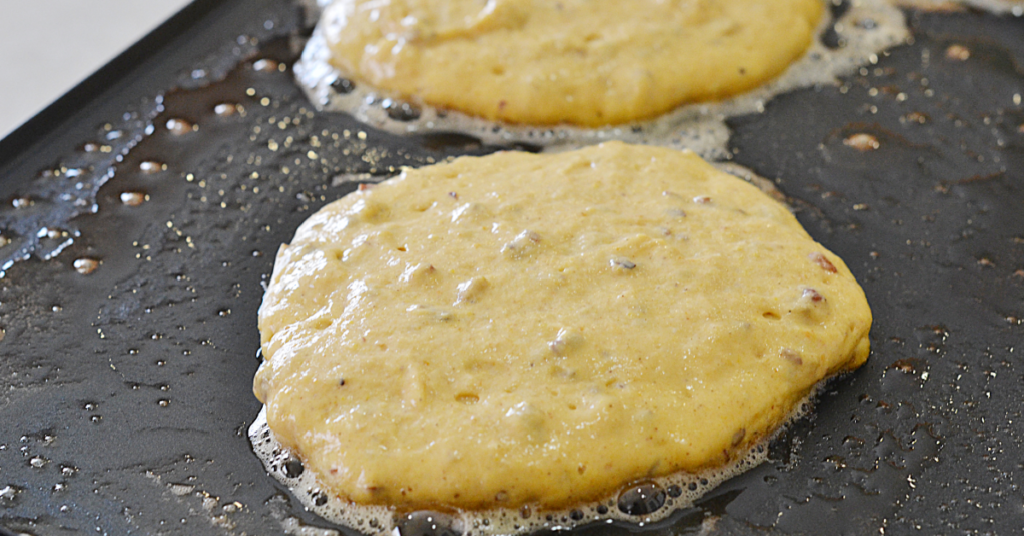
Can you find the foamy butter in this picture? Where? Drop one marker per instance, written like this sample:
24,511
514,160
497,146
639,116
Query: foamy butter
526,341
865,29
647,501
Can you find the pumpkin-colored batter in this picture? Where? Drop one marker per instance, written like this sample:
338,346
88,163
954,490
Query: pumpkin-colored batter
545,329
582,62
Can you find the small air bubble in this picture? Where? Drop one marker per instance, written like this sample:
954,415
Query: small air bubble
401,110
866,24
293,468
426,523
319,498
343,86
641,499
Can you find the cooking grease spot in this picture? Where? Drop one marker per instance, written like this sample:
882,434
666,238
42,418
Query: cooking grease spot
265,65
85,265
9,493
150,167
225,109
958,53
862,142
180,127
133,199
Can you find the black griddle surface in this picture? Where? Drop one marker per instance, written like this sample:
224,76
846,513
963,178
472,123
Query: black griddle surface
125,393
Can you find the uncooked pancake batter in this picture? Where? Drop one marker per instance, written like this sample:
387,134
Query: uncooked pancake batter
544,329
581,62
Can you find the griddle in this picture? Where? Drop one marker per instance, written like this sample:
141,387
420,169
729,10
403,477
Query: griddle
125,393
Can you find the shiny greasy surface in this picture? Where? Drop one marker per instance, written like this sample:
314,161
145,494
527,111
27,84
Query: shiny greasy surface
545,329
589,63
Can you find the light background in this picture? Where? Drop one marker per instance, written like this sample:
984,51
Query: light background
49,46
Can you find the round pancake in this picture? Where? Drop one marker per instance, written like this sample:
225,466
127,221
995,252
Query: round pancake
588,63
543,330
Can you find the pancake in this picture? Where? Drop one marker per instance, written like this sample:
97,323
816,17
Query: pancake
594,89
589,63
542,331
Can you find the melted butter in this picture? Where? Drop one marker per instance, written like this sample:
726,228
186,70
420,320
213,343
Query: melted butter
541,330
660,117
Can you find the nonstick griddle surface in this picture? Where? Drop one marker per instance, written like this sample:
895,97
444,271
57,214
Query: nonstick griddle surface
125,393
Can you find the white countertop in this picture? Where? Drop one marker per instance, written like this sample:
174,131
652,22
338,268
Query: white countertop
49,46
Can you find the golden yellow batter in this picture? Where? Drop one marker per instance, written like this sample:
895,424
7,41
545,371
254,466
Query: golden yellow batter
545,329
582,62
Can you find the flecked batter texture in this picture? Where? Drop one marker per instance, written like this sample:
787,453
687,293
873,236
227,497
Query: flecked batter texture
545,329
581,62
